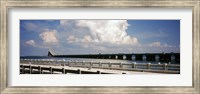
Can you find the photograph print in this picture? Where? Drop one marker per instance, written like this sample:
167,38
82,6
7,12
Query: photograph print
88,46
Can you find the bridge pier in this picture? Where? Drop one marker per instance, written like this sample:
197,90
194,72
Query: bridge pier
116,57
124,57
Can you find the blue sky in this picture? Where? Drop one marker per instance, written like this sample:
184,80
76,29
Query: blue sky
98,36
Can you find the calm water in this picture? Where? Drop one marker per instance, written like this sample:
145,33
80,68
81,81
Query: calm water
89,60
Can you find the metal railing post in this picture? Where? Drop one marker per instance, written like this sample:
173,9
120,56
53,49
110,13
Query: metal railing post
79,71
69,64
165,66
98,72
99,64
91,64
148,65
121,65
63,70
50,70
23,69
40,70
134,65
83,63
75,63
30,69
63,61
109,64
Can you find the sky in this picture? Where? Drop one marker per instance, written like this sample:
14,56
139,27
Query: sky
98,36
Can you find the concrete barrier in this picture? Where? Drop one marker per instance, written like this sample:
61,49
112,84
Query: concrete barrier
100,65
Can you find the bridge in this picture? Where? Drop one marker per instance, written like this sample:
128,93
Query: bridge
46,66
157,57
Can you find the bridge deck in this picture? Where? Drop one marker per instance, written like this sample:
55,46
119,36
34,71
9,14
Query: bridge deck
163,57
49,69
97,67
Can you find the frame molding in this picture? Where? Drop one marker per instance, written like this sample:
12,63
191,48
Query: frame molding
5,5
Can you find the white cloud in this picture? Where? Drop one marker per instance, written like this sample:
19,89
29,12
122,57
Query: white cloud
87,39
68,24
49,36
166,45
31,43
72,39
155,44
85,42
158,44
34,44
64,22
161,47
150,35
108,31
100,31
30,26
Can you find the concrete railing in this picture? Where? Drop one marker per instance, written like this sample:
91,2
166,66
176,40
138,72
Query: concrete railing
148,67
40,69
